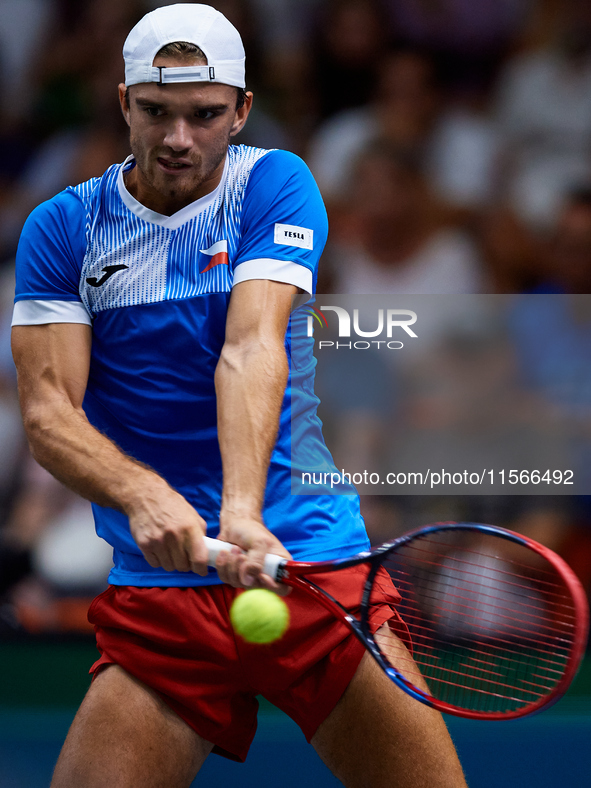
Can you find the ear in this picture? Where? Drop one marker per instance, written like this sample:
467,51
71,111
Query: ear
241,115
123,102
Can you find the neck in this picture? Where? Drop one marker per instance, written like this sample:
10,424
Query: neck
168,204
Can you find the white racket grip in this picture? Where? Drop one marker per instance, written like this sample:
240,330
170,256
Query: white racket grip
271,567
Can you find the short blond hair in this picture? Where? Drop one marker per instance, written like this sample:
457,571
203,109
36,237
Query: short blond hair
183,50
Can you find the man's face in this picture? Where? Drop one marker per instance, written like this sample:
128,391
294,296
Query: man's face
179,135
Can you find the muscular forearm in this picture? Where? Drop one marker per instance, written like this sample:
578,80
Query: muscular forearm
166,528
250,384
69,447
250,381
53,362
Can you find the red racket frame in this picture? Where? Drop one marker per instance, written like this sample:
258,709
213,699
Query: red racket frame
294,574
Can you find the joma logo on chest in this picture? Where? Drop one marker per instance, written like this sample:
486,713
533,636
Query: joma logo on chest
108,272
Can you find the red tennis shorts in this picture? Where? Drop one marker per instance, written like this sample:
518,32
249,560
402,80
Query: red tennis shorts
180,643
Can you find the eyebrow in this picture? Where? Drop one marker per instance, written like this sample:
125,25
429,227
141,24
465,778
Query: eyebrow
141,102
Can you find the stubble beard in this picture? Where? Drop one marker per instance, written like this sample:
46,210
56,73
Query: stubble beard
178,191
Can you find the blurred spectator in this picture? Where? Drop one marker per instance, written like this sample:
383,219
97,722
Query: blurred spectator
393,237
278,34
351,37
552,335
552,331
12,437
287,24
67,157
51,532
570,262
544,117
468,38
83,39
513,256
23,26
456,147
265,128
91,134
568,259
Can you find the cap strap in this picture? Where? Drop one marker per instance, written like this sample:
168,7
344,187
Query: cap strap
165,76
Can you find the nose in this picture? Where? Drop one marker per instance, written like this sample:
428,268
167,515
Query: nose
178,135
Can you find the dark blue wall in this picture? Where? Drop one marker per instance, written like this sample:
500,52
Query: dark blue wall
547,751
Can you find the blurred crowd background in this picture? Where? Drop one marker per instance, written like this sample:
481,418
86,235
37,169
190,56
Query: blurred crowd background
451,140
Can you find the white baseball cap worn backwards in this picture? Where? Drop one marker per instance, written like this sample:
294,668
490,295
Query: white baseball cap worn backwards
196,24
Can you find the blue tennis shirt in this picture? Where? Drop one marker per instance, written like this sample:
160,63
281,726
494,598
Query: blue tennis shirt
155,290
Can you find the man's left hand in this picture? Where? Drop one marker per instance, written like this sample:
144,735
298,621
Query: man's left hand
243,566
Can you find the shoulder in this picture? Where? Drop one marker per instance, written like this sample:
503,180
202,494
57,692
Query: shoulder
258,164
67,208
63,203
283,165
282,178
277,180
282,159
282,185
61,214
92,190
60,225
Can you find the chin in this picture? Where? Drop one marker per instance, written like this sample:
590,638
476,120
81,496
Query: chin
181,188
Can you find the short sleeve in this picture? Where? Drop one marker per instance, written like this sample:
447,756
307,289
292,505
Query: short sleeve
48,263
284,224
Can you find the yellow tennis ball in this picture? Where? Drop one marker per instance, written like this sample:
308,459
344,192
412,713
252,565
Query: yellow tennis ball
259,616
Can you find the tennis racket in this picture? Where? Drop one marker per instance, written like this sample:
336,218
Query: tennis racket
498,622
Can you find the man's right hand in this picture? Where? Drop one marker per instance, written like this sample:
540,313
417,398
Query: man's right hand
168,530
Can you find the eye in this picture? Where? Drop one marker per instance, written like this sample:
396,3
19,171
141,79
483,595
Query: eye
153,112
205,114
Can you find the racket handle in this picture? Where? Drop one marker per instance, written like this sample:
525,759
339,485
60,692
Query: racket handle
271,567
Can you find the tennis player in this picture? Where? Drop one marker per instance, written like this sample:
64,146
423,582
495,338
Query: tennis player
150,320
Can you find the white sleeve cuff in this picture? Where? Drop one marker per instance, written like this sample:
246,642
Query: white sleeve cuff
40,312
277,270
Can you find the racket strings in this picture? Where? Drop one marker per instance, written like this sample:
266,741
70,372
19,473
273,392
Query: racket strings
464,604
464,562
510,652
492,628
